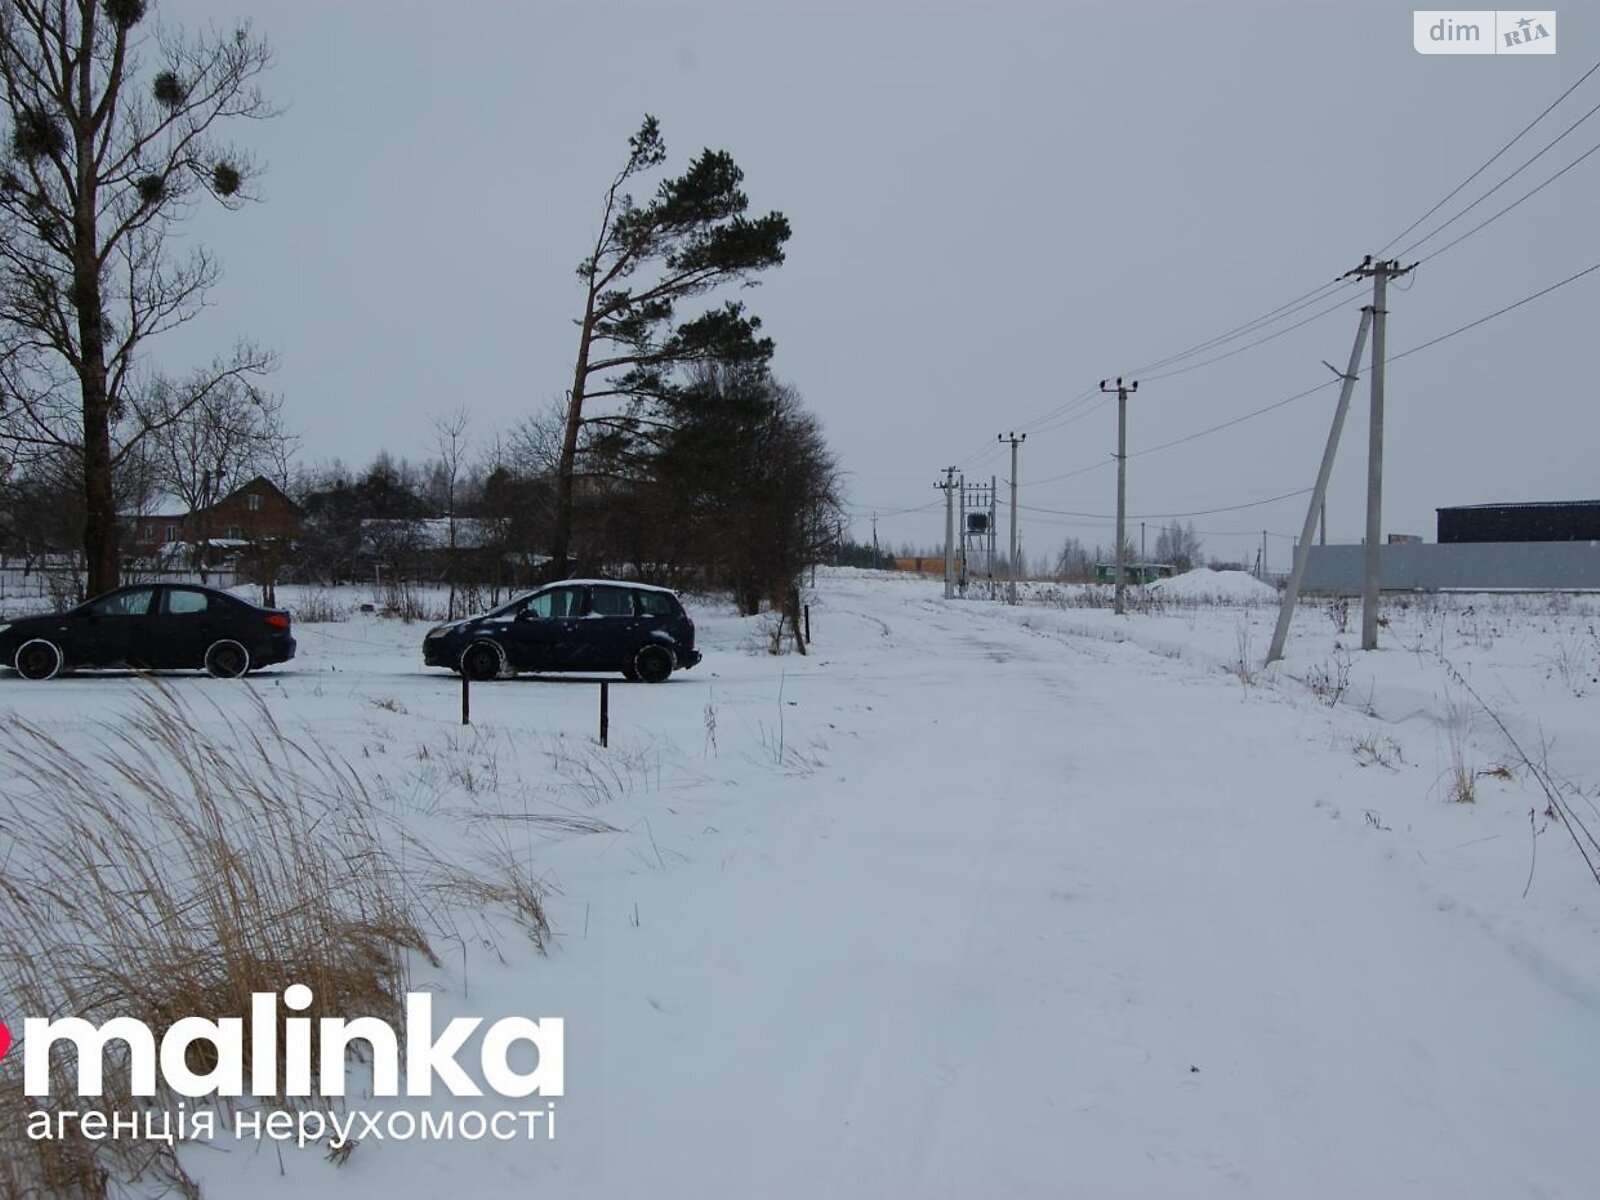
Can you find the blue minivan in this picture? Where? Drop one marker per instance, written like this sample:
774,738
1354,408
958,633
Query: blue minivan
573,625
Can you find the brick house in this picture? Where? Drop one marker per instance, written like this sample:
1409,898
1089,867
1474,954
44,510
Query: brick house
254,514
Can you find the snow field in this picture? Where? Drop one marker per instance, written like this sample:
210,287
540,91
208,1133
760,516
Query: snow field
1029,901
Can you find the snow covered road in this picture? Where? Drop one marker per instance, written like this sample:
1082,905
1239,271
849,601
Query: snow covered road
1069,920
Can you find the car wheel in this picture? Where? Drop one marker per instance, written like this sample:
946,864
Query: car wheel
629,673
227,660
653,664
481,661
38,659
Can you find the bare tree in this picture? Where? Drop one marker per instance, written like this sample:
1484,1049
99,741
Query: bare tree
450,442
1178,545
1074,562
221,434
112,141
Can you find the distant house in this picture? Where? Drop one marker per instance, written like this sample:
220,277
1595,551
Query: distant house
420,548
255,514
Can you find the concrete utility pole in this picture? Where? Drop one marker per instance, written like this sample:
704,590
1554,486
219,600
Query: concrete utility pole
994,529
1011,569
1380,271
961,540
948,486
1319,494
1122,391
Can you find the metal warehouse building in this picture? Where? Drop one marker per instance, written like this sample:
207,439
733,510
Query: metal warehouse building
1541,521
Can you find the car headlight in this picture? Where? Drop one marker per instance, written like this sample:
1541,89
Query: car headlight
4,625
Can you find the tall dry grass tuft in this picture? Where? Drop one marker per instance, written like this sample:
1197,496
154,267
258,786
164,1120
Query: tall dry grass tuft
161,873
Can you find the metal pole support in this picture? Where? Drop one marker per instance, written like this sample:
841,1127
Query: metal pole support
605,712
466,699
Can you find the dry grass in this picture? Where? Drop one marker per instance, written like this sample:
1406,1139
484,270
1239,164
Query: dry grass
318,608
163,873
1460,775
1375,750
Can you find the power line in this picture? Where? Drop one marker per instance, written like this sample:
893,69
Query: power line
1444,337
1342,303
1490,161
1301,395
1202,512
1526,195
1315,296
1550,145
1070,419
1050,414
1071,474
1229,424
860,509
1074,409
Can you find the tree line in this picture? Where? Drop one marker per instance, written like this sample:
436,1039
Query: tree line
676,455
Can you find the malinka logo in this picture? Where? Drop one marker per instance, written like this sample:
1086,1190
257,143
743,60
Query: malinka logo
428,1055
5,1039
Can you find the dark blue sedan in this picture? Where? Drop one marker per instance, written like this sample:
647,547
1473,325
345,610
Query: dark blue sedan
156,626
574,625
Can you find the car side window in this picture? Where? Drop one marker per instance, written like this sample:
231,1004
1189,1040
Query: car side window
135,602
557,602
182,601
610,602
653,604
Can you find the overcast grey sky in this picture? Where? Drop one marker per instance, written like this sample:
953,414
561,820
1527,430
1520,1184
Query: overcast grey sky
993,206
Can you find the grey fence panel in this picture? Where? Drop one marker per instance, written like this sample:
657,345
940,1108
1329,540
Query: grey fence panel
1460,566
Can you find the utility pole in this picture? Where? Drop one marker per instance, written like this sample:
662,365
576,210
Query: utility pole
961,540
1319,494
1263,556
1122,391
1380,271
948,486
1142,558
1011,572
876,558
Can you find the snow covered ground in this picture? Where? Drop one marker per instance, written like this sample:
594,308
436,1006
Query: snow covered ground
977,900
